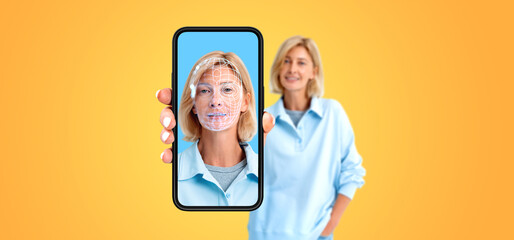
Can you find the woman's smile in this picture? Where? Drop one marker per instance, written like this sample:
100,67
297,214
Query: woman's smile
291,79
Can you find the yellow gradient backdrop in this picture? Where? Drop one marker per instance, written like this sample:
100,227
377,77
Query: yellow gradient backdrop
427,85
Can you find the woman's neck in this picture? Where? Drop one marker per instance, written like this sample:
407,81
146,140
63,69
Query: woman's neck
296,100
221,148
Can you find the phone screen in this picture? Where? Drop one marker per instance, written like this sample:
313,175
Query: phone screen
217,102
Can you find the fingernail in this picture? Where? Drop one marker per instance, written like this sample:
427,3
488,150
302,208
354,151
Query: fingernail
162,155
157,93
165,136
166,121
273,120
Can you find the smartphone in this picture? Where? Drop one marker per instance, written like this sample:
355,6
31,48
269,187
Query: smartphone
217,87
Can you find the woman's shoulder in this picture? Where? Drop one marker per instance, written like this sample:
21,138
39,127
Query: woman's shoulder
188,152
275,108
329,102
335,113
332,106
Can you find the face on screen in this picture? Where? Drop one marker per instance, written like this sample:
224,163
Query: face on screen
218,98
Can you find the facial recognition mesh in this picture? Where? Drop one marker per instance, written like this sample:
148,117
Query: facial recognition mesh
218,94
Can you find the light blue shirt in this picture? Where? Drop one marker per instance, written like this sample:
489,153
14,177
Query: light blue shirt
305,168
197,186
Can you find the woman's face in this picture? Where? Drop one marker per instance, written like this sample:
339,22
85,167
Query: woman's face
218,99
297,69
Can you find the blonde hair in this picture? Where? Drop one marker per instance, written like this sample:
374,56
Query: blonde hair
315,86
188,121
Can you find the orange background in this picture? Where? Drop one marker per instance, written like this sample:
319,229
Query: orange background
427,85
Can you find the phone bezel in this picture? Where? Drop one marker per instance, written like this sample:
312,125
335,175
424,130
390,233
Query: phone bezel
260,109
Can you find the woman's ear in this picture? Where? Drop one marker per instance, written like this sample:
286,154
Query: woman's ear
194,109
246,101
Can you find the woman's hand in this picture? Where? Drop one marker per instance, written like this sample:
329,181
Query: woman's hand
168,121
340,205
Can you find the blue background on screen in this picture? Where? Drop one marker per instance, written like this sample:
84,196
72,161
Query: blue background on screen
191,46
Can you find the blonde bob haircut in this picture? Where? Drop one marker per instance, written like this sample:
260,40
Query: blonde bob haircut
314,86
188,121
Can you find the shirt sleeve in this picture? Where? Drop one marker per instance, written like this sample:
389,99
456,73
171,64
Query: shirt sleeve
352,172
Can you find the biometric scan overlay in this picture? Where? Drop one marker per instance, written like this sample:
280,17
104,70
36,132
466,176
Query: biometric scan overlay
218,94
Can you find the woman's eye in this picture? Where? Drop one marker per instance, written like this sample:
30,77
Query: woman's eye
204,91
301,63
227,90
286,61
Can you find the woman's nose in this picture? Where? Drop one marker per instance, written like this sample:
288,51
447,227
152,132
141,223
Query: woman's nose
292,68
215,100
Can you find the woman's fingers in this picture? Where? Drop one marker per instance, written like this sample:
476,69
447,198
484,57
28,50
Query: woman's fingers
167,156
167,136
268,121
164,96
167,118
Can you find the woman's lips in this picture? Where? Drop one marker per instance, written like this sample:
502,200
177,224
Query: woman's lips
216,114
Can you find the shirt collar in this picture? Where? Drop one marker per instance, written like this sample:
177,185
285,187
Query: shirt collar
252,160
316,107
278,109
191,162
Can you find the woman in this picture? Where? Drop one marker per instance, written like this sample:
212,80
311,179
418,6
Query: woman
311,164
217,114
